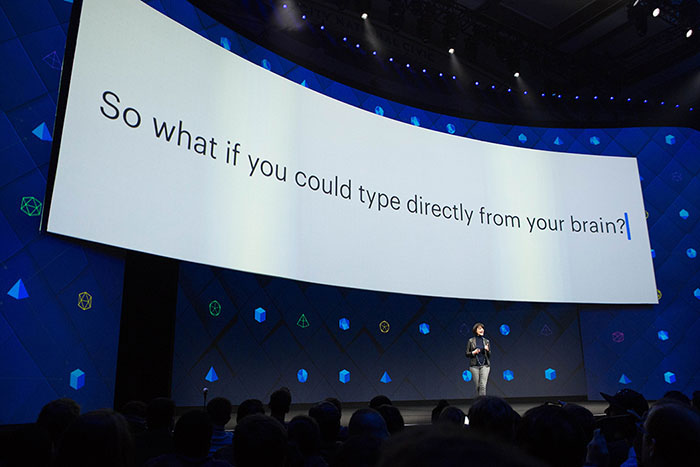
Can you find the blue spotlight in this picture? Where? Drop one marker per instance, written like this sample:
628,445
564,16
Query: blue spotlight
322,27
510,90
357,46
595,98
524,93
662,102
374,52
543,94
612,98
303,17
646,100
454,77
493,86
408,65
629,99
345,38
440,74
424,70
576,97
678,105
476,83
391,59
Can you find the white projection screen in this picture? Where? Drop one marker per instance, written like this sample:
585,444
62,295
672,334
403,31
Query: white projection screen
174,146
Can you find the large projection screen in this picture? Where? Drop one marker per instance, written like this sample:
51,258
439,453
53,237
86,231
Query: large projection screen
174,146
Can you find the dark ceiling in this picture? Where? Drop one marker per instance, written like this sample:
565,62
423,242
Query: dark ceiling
595,61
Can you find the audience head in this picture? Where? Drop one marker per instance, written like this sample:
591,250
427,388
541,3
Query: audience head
549,433
438,409
583,417
304,433
219,410
672,432
249,407
56,416
193,432
624,400
494,417
338,405
259,440
280,402
160,414
427,446
678,396
328,418
135,414
368,422
451,416
379,400
393,418
358,451
100,437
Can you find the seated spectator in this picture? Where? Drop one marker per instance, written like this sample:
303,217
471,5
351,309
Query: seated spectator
359,451
492,416
671,435
677,395
427,446
280,402
135,414
249,407
437,410
343,431
192,438
219,410
393,418
379,400
625,400
584,419
619,428
368,422
100,437
328,418
258,441
158,438
55,417
550,434
451,416
304,438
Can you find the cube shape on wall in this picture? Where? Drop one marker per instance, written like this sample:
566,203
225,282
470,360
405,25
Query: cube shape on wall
505,329
77,379
424,328
550,374
508,375
260,315
344,324
670,377
663,335
670,140
467,375
344,376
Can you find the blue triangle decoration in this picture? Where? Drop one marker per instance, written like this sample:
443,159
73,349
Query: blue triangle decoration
558,141
18,291
211,376
385,378
303,83
42,132
624,379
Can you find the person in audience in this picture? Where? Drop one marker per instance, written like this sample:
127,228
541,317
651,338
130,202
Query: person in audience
679,396
27,446
451,416
618,427
368,422
249,407
343,431
97,438
583,417
479,354
158,437
304,438
219,410
670,436
625,400
55,417
492,416
433,445
328,418
280,402
379,400
135,414
393,418
435,414
549,433
259,440
359,451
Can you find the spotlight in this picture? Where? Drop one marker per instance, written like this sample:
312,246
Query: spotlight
374,52
408,65
440,74
322,27
363,16
516,74
576,97
689,33
524,93
656,12
303,17
451,50
391,59
476,83
510,90
424,70
454,77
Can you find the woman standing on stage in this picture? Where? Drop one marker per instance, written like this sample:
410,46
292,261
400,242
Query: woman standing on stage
479,353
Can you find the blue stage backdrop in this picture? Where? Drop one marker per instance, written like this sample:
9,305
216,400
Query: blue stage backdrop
60,301
540,349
